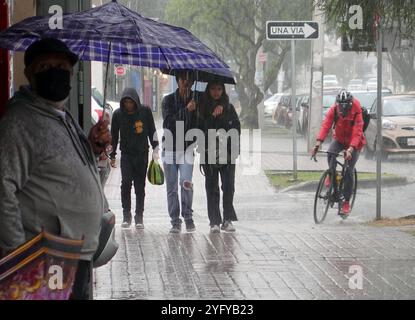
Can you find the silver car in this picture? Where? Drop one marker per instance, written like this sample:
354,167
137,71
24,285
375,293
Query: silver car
398,124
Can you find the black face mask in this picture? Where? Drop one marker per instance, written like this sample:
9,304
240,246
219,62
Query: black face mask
53,84
344,108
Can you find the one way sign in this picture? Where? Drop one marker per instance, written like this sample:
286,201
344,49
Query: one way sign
292,30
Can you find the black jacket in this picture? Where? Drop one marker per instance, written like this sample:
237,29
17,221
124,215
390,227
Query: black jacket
227,121
174,110
136,130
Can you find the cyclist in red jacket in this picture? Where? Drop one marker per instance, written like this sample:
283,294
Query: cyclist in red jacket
345,116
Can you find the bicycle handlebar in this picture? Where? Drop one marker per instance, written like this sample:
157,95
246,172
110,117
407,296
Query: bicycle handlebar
326,152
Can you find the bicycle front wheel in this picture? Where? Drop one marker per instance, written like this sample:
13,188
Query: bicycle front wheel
322,199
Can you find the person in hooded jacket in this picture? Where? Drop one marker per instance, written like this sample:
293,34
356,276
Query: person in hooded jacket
133,123
347,119
222,128
45,156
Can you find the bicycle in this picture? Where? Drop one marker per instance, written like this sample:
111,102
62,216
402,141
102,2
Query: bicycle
327,196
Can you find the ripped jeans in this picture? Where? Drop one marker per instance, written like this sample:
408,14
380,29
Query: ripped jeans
175,164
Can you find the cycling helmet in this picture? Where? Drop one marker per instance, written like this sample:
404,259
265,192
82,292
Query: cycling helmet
344,100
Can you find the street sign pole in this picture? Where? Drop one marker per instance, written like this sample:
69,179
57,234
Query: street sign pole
294,111
293,30
379,142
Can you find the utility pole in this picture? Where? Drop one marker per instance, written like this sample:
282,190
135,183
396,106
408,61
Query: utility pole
379,142
294,110
316,91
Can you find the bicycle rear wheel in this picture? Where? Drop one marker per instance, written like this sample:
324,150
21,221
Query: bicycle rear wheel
322,199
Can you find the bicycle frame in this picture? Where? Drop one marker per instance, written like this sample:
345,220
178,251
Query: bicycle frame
337,195
334,192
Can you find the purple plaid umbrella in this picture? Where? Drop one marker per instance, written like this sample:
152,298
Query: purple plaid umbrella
113,33
206,75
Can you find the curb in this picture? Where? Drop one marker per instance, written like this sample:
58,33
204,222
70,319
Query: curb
311,186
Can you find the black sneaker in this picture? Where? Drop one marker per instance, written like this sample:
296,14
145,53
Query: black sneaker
176,228
190,226
139,222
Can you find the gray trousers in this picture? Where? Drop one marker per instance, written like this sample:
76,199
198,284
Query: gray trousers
336,147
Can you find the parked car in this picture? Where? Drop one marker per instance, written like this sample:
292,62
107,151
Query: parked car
302,108
372,84
355,84
329,98
271,104
330,77
398,124
330,82
97,100
366,98
281,111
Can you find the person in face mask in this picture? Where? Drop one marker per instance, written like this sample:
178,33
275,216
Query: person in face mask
48,167
346,119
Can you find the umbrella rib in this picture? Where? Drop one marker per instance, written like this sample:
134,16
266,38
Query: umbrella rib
131,19
165,57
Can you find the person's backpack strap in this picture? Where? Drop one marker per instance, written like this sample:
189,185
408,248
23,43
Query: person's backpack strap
336,118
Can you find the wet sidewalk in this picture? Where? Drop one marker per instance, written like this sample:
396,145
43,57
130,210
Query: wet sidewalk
276,253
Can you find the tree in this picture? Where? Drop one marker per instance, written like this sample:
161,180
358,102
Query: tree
395,14
236,30
403,61
147,8
398,23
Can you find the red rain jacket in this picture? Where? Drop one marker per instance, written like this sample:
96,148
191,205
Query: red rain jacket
348,130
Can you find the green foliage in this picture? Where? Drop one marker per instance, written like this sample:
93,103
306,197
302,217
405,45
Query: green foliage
398,24
147,8
399,14
235,30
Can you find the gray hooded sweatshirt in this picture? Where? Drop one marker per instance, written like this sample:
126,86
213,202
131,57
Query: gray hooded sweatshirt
48,176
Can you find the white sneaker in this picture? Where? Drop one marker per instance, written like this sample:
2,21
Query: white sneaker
214,229
139,226
228,226
125,225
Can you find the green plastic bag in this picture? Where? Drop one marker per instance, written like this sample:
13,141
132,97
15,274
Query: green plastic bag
155,173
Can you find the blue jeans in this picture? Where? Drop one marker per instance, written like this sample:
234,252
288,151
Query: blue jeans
174,163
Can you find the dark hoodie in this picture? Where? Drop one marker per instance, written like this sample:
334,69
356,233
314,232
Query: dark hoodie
136,129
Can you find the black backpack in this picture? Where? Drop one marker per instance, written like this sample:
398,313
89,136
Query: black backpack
365,115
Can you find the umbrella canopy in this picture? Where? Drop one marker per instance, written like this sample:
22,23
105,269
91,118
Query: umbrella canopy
26,273
114,33
206,75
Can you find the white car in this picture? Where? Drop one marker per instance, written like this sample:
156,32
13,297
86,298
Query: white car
330,77
330,82
355,84
271,104
372,84
97,100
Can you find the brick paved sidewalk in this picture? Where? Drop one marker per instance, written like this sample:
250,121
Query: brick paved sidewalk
276,253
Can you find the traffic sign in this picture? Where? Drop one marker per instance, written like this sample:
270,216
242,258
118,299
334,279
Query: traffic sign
120,71
292,30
